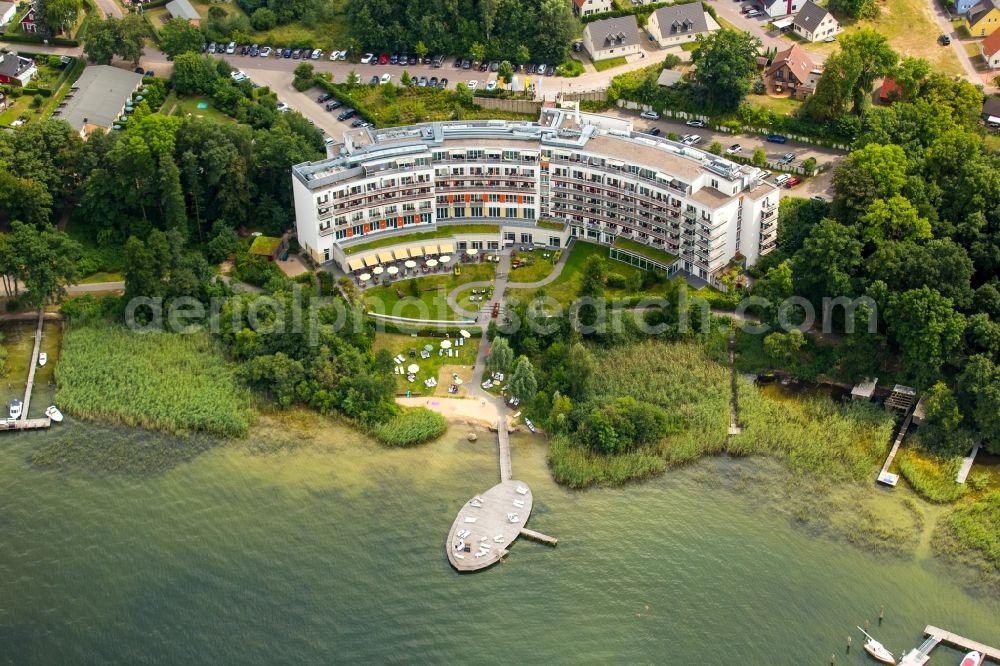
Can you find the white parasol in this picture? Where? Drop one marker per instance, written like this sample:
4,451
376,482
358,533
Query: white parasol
446,344
444,259
431,263
465,334
392,270
472,252
364,277
410,264
413,368
378,270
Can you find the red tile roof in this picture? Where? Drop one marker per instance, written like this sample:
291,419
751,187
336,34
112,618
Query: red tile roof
890,90
992,43
798,62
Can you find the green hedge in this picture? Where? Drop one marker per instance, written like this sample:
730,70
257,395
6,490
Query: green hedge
44,92
38,39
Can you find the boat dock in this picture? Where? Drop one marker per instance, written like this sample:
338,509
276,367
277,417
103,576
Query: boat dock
539,537
24,423
935,636
963,471
493,521
885,476
503,434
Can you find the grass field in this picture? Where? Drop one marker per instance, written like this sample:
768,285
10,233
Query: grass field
324,35
602,65
169,382
538,265
432,300
440,367
785,106
188,106
441,232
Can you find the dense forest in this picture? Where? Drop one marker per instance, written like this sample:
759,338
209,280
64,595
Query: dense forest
516,30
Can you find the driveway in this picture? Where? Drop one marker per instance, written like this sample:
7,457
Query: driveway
943,20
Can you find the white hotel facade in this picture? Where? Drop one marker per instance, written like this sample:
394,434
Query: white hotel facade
498,183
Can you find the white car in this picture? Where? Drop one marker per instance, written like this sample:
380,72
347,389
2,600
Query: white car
238,76
491,85
282,107
342,55
473,85
733,149
691,139
367,58
316,54
650,115
753,13
385,78
265,52
231,49
695,123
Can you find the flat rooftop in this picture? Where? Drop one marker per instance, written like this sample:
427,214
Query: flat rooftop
102,92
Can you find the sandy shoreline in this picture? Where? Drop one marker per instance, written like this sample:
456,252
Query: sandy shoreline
470,411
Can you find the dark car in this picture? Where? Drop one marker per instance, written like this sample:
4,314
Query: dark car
483,66
358,122
777,138
287,53
254,51
433,82
245,49
655,131
494,65
413,60
373,81
296,54
149,72
944,40
443,83
325,97
550,70
458,63
347,113
335,104
466,64
139,70
394,59
578,46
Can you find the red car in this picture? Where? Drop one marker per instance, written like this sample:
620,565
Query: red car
793,181
383,59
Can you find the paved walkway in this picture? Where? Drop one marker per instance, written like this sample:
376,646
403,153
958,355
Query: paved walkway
940,16
503,268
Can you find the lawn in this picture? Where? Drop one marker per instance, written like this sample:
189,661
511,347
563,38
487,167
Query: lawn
21,106
912,31
101,276
551,224
332,33
431,298
646,251
783,106
601,65
537,264
176,105
439,367
441,232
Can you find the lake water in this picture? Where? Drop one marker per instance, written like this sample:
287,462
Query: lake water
317,546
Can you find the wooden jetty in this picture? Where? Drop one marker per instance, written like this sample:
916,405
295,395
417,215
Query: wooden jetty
33,366
885,476
935,636
539,537
506,470
487,518
25,424
963,471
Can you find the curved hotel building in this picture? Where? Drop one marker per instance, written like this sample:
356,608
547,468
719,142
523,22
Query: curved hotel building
450,186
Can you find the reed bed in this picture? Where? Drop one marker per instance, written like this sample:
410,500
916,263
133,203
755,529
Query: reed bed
168,382
932,477
971,534
410,427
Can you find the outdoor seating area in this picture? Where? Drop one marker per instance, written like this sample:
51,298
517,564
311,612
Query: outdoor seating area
406,365
387,266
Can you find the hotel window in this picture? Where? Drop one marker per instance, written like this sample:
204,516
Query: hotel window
391,224
529,200
509,155
494,197
476,211
459,211
529,213
438,155
511,212
408,219
425,217
442,213
509,236
493,245
358,230
494,211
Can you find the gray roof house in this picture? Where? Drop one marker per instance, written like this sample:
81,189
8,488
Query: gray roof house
101,95
183,9
814,23
677,24
7,11
611,38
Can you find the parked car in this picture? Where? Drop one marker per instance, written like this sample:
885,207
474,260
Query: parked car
254,51
347,113
265,52
472,85
787,158
754,13
944,40
296,54
325,97
316,54
781,179
373,81
690,139
696,123
438,61
386,78
777,138
458,62
413,60
793,181
335,104
367,58
383,59
422,82
649,114
231,49
734,149
494,65
491,85
578,46
245,50
211,47
655,131
483,66
466,64
550,70
282,107
443,83
433,82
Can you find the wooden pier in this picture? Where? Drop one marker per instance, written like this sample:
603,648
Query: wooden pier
935,636
506,469
963,471
491,531
539,537
33,366
884,476
25,424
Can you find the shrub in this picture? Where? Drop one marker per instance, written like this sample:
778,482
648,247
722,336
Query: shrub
263,19
616,281
571,67
411,427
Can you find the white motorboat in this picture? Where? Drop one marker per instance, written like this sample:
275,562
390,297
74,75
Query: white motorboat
43,358
972,659
876,650
15,409
53,413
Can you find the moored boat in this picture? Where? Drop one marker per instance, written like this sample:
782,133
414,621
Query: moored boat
876,650
53,413
972,659
15,409
43,358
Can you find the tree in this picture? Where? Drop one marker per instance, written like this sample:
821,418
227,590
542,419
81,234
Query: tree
927,331
726,63
715,148
910,75
405,78
592,279
523,55
132,34
58,16
942,419
554,28
263,18
43,259
501,355
759,157
420,49
872,172
24,199
894,219
784,348
872,58
506,72
809,166
579,370
303,76
193,73
179,35
477,51
979,391
100,41
826,264
856,9
522,383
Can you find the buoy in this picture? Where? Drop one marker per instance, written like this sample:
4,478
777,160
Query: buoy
881,614
849,640
472,436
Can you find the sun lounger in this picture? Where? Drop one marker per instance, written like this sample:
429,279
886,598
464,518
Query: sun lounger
461,534
470,519
480,554
483,539
521,490
498,538
519,504
460,556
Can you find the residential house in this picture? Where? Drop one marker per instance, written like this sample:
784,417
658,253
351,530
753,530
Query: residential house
16,70
890,91
185,10
991,111
589,7
611,38
676,24
7,11
983,19
814,23
792,72
30,20
100,99
990,48
779,8
962,7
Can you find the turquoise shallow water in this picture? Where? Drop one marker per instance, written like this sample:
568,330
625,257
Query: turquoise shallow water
331,551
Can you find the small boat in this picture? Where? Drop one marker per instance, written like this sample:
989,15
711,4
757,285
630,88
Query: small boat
43,358
15,409
972,659
53,413
531,426
876,650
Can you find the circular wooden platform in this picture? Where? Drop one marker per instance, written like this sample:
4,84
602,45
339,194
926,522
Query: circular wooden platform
491,531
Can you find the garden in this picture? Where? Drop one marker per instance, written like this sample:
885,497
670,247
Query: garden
533,265
437,366
425,297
